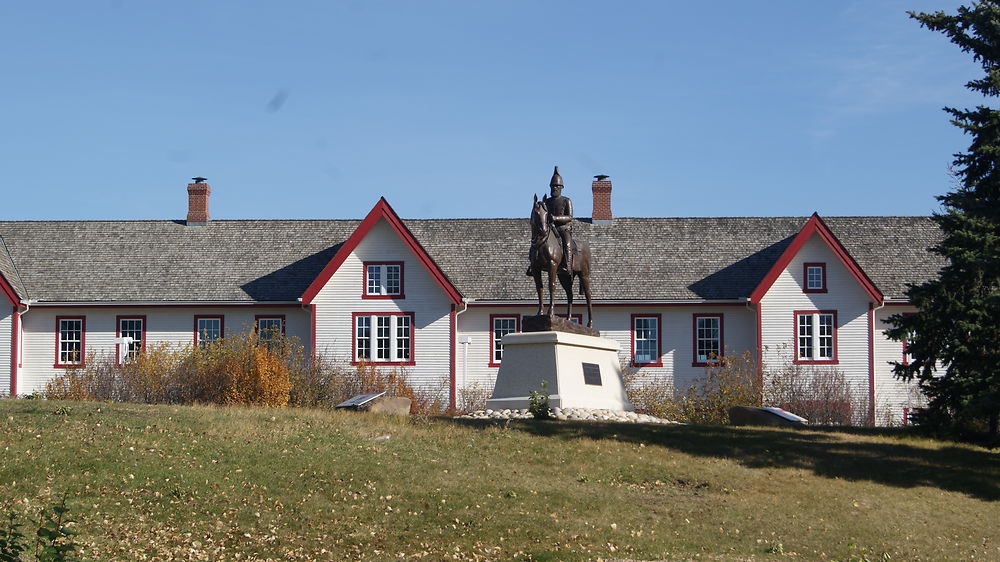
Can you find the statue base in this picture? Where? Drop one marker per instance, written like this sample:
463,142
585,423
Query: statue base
581,371
543,323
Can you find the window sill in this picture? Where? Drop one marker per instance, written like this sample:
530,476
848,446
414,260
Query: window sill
815,362
366,296
409,363
69,366
494,365
705,364
814,290
641,365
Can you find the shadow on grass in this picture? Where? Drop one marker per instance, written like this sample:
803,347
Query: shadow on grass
830,453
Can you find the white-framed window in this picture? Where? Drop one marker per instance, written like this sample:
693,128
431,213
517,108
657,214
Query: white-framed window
383,280
207,329
131,327
646,340
270,328
816,336
383,338
814,276
501,326
707,338
71,340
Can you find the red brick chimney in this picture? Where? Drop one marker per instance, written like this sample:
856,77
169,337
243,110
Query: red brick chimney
602,200
198,193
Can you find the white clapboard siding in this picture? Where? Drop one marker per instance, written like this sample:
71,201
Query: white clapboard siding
892,395
431,308
614,322
174,325
844,294
6,343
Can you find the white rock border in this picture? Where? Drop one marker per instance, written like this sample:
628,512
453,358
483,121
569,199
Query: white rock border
570,414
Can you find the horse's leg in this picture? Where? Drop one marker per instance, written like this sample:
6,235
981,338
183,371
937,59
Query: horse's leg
537,274
585,284
567,284
553,266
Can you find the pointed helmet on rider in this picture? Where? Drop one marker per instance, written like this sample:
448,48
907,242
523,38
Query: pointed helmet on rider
556,183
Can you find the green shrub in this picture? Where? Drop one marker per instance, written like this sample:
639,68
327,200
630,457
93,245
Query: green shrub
538,402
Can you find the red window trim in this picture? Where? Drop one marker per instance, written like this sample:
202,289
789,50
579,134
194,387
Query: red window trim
364,281
805,277
118,334
222,324
517,328
354,338
83,343
659,340
795,343
259,317
694,338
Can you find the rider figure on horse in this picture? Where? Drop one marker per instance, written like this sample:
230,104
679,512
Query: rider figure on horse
561,214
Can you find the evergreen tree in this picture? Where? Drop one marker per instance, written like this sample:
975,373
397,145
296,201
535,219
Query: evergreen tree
954,338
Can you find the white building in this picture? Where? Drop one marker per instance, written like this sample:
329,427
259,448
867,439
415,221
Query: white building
808,291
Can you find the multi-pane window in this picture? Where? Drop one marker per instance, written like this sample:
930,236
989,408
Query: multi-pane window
707,338
134,328
502,325
383,279
383,337
815,277
70,345
815,336
207,329
646,339
270,328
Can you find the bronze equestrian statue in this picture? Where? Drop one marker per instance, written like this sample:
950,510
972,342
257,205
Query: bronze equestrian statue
554,250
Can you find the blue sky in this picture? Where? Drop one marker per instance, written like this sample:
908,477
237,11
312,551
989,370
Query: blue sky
460,109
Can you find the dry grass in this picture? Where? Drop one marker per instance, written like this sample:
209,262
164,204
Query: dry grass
215,483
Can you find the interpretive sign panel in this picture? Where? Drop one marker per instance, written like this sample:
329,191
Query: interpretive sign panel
359,400
592,374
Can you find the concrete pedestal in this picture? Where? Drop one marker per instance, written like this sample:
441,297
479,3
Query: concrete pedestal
581,371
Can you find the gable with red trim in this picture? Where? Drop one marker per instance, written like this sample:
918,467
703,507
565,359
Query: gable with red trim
9,292
816,226
382,211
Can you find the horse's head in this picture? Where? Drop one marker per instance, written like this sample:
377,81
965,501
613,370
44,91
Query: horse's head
540,217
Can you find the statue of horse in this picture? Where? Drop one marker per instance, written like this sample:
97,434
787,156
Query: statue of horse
547,253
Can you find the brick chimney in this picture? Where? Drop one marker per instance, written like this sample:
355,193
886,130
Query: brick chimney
602,200
198,193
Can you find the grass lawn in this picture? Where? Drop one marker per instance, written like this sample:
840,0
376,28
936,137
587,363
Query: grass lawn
207,483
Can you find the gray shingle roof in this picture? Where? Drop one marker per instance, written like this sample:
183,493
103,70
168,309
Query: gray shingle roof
276,260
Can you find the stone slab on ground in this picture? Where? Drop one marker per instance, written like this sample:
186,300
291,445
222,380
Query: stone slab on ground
389,405
743,415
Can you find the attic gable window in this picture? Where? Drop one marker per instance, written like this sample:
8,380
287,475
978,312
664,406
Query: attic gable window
814,278
383,280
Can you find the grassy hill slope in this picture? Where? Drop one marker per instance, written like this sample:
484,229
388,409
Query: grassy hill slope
226,483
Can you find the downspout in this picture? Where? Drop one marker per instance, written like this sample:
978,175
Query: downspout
872,309
465,346
17,343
